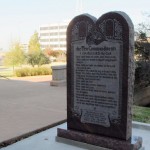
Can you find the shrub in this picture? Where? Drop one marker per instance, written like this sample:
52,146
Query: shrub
22,72
33,71
142,75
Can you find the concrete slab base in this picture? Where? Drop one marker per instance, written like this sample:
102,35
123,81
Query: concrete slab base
79,144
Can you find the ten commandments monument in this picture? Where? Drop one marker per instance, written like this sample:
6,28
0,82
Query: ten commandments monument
100,79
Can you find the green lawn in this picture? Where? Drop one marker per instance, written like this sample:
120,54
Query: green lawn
141,114
6,71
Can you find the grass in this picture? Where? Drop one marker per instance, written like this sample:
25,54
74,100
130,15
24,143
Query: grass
141,114
8,73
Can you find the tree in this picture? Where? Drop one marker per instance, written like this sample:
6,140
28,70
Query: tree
15,56
49,52
57,55
34,45
43,59
142,43
32,59
37,59
35,55
142,46
142,53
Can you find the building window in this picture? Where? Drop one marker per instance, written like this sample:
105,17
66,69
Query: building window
44,34
53,40
44,28
54,33
62,39
54,46
62,45
53,27
44,40
62,27
62,33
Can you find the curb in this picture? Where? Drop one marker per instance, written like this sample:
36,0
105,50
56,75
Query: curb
140,125
26,135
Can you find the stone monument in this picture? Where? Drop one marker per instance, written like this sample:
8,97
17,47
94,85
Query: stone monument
100,79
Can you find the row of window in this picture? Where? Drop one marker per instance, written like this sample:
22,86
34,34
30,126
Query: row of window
52,40
53,27
62,45
63,27
44,40
44,34
53,33
53,46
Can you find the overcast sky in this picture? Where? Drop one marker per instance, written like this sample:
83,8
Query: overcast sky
20,18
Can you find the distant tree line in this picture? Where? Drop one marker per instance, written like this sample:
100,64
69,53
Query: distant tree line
142,57
16,56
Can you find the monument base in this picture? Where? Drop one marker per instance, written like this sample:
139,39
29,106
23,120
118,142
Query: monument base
58,83
101,141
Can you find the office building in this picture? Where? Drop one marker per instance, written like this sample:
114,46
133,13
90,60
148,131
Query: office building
53,36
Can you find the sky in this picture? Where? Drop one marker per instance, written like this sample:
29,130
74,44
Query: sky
19,19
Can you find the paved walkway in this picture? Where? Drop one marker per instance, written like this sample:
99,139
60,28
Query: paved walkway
29,104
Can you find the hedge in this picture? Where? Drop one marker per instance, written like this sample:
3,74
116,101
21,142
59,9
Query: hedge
33,71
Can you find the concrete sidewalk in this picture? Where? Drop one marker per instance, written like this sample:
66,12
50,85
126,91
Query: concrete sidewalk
46,140
27,106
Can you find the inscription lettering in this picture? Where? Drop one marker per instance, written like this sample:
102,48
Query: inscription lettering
96,82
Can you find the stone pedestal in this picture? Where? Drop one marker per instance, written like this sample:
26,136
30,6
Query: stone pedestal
58,75
96,140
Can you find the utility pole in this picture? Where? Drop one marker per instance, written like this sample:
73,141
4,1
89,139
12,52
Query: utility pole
79,7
